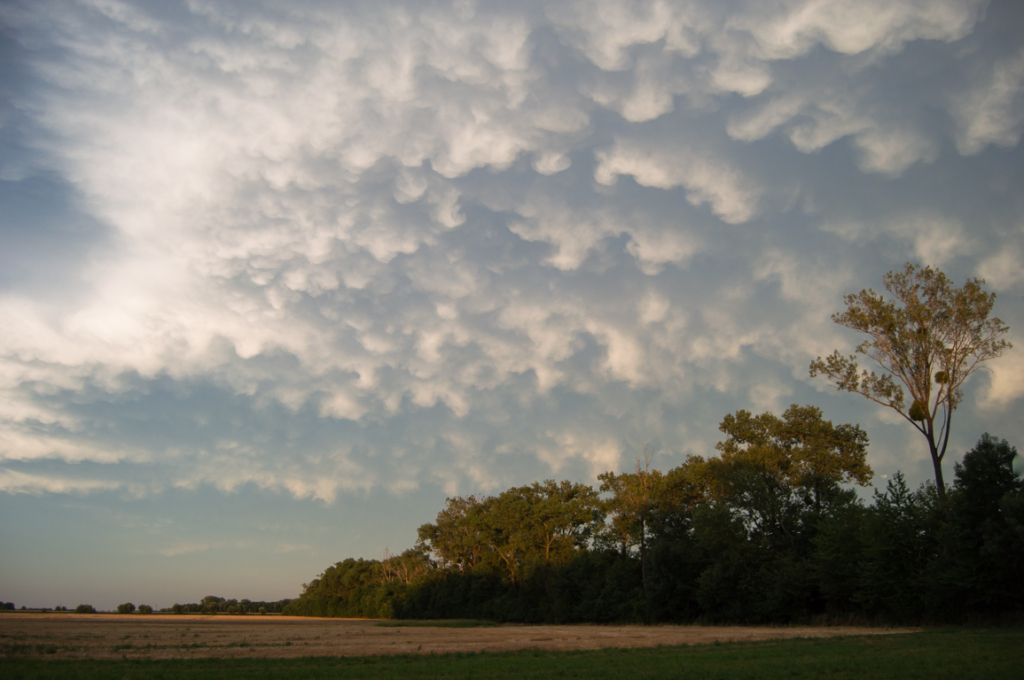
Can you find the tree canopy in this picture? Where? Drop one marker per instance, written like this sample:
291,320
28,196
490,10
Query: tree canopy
766,531
928,340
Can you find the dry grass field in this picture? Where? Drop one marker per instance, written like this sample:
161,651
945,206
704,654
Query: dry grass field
100,636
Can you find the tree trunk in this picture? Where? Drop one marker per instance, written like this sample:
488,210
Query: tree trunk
643,572
940,485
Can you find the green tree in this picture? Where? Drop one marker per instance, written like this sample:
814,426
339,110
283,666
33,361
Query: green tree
543,523
775,482
145,609
453,540
411,565
349,588
562,518
927,340
900,542
631,509
799,451
126,608
977,572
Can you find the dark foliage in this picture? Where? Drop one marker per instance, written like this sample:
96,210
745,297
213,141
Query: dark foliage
763,534
211,604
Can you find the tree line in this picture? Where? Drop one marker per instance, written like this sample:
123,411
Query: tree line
768,530
211,604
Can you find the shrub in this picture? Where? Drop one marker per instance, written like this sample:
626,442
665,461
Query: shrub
85,609
126,608
145,609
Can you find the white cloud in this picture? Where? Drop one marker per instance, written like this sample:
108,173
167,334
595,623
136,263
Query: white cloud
790,29
993,111
935,239
815,119
551,163
1003,270
605,31
341,234
732,196
600,453
14,482
769,397
573,234
892,151
1006,378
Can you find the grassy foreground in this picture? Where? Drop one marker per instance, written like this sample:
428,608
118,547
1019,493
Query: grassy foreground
982,654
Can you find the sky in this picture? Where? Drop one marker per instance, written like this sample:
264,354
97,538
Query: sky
278,278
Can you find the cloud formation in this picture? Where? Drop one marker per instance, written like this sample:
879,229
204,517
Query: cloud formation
471,244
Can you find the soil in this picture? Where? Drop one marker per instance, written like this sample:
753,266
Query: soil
135,636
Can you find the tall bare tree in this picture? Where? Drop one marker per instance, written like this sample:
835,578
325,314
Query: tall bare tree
928,340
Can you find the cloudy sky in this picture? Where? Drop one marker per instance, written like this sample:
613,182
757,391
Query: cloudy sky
277,279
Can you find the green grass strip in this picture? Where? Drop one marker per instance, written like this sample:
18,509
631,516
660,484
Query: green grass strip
932,655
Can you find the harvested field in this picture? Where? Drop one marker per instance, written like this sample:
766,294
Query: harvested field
165,636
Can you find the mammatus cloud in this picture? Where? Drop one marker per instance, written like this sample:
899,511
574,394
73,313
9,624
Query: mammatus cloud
992,112
465,244
731,197
936,239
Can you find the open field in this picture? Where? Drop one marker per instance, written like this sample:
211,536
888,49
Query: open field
934,655
190,637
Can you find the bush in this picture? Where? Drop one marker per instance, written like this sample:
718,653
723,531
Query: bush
85,609
263,611
145,609
126,608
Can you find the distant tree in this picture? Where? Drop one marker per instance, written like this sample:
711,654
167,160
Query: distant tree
263,611
928,340
145,609
85,609
211,604
126,608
